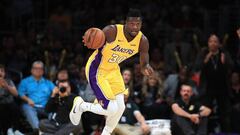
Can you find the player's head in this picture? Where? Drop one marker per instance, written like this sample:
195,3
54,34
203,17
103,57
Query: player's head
133,22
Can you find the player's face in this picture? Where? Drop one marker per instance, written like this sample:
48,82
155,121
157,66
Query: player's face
186,92
213,43
133,25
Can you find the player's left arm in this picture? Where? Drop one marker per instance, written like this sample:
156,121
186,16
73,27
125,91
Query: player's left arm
144,56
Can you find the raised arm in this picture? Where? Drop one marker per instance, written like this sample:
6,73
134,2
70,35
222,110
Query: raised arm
144,57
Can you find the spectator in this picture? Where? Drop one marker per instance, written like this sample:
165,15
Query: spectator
235,101
237,54
177,54
62,76
127,78
8,108
151,89
152,98
130,116
35,91
190,117
82,82
79,86
174,81
59,105
215,64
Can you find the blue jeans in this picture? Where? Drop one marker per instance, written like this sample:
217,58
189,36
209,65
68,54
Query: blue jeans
32,113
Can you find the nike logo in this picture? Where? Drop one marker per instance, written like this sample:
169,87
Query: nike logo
74,111
132,44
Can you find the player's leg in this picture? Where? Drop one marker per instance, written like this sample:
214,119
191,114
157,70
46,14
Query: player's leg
112,120
107,104
118,87
80,106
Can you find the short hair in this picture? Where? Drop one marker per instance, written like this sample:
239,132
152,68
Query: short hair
134,13
38,62
187,83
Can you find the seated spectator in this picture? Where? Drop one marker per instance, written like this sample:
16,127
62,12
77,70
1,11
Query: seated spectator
79,87
82,82
35,91
128,81
8,108
60,104
63,75
151,91
130,116
190,117
235,101
173,83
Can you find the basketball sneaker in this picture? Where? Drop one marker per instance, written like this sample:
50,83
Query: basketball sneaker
76,112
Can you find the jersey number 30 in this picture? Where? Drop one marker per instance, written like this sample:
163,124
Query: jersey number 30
116,58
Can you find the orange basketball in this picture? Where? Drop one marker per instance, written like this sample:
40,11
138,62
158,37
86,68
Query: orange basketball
94,38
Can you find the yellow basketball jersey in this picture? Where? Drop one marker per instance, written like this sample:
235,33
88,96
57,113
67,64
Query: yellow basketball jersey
102,69
119,50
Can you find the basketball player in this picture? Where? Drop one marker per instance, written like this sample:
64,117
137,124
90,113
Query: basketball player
103,72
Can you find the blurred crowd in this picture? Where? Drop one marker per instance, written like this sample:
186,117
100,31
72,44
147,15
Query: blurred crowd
42,61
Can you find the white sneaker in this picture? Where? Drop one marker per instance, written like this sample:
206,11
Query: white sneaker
76,112
10,131
17,132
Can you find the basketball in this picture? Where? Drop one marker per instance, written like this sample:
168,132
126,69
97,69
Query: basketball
94,38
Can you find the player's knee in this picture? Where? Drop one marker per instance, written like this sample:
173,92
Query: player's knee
112,108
